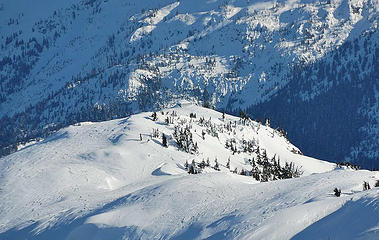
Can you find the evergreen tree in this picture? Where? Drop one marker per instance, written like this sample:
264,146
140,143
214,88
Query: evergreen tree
191,169
202,164
259,159
253,164
366,186
195,147
276,171
257,150
267,122
255,173
216,167
155,133
154,116
337,192
164,140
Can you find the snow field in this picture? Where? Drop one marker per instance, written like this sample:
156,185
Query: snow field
99,181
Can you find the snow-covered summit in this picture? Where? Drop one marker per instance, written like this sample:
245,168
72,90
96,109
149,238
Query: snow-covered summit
72,61
117,180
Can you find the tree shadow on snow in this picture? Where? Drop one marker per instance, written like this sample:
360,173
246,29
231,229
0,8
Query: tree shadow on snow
124,121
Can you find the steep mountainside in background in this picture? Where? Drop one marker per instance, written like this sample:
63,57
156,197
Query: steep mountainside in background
72,61
337,118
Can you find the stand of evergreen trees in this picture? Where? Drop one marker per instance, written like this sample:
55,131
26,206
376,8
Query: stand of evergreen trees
262,168
184,139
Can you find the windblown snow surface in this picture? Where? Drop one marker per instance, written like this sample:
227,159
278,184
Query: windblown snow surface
99,181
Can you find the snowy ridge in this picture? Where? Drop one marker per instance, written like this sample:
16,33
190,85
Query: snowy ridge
98,60
100,181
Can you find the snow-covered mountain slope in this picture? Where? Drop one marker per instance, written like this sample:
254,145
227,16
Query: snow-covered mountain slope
101,181
90,60
341,113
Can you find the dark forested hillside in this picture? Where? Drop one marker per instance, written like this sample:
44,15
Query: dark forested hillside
330,108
